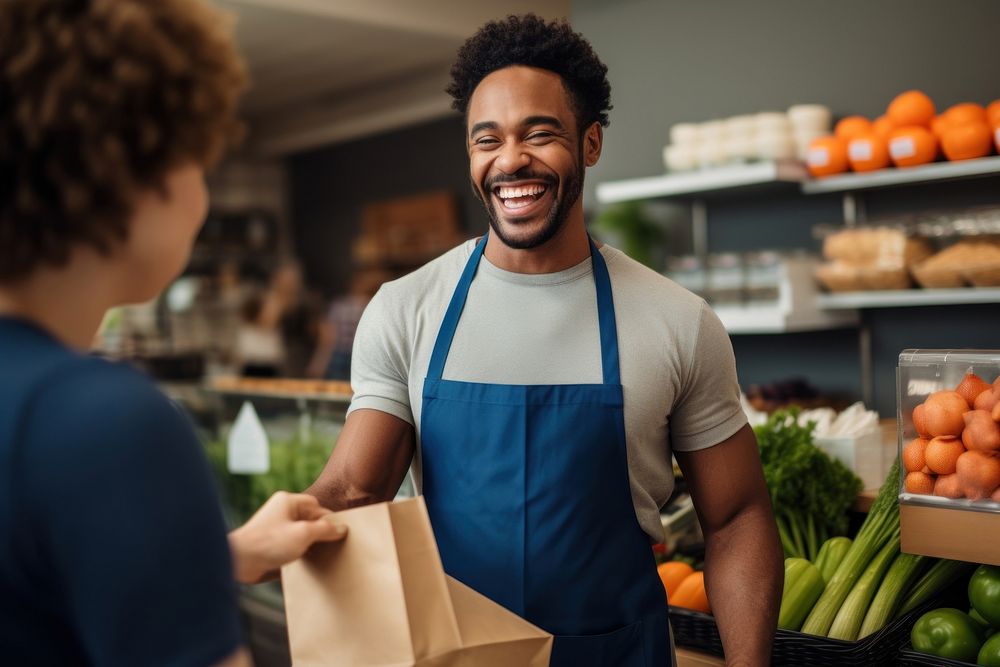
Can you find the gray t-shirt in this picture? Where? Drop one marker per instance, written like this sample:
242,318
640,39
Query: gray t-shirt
677,365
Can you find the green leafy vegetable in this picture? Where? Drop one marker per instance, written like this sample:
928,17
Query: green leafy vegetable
811,492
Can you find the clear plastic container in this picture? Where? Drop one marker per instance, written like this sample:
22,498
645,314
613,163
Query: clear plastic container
763,276
688,272
947,422
726,279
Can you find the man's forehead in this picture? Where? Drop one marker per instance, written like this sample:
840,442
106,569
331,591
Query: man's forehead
517,94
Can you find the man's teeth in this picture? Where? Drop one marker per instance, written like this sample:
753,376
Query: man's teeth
521,191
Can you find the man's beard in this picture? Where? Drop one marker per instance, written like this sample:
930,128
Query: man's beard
557,216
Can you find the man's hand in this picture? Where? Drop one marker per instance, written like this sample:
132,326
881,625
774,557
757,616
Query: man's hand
744,563
282,530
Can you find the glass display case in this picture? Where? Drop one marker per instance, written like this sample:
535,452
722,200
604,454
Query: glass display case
948,404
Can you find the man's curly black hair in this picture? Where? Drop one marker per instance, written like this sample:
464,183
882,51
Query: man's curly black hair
532,41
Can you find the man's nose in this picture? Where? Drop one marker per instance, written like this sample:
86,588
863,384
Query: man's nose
512,158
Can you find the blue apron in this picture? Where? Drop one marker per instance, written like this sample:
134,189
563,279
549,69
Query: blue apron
528,492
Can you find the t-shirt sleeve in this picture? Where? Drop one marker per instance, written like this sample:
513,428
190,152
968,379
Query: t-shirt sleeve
708,410
128,522
379,360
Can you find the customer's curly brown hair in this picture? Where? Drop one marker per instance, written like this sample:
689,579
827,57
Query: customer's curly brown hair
534,42
100,99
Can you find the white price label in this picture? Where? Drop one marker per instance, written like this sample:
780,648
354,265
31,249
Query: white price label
247,452
860,149
902,147
818,157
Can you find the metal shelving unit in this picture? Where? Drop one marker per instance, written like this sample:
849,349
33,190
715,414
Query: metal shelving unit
883,178
909,298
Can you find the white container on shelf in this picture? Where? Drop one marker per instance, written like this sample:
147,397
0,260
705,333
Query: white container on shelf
813,118
768,122
685,134
774,145
740,126
863,454
680,157
742,148
712,154
713,131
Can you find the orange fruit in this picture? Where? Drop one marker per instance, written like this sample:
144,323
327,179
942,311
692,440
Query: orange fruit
948,486
911,108
987,400
978,474
852,126
868,152
913,455
920,422
911,146
967,141
942,454
919,482
993,113
943,412
966,112
672,573
883,127
981,432
691,594
826,156
939,125
971,386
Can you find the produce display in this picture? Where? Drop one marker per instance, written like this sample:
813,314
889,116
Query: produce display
811,493
295,464
956,453
968,637
909,134
854,588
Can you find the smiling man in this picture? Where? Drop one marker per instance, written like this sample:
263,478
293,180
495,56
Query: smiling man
539,384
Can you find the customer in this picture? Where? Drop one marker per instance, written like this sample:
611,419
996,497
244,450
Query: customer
112,544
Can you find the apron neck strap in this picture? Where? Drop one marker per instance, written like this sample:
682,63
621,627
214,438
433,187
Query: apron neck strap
605,315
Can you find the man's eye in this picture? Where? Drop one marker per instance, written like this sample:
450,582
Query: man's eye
485,141
539,135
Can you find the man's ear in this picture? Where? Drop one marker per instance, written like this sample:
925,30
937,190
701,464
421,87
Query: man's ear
593,141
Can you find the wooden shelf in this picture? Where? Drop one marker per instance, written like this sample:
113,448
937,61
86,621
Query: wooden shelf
883,178
910,297
704,183
945,529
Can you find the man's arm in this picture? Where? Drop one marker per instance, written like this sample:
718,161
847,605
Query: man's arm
369,462
744,564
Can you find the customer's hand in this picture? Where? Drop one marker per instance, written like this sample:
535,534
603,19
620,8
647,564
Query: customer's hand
282,530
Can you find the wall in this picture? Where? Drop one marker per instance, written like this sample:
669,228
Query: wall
673,60
329,188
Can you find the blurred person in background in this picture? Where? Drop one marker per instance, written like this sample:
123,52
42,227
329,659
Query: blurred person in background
113,547
332,358
280,326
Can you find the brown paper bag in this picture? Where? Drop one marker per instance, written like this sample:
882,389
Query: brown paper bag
380,598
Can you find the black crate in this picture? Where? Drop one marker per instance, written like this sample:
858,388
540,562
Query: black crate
793,649
910,658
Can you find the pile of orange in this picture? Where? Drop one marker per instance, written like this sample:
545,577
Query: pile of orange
956,453
684,585
910,133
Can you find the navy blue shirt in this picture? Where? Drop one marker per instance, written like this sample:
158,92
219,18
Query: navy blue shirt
113,548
